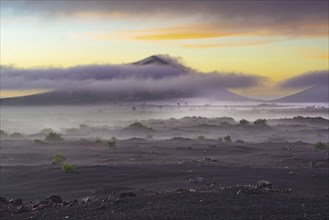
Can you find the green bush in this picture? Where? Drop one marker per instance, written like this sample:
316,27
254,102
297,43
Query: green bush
3,134
58,159
68,168
260,123
244,123
98,140
321,146
137,125
53,136
225,124
200,137
228,139
84,126
112,142
38,141
46,131
17,135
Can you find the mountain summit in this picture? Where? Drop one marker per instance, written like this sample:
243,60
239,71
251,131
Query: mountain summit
153,60
162,60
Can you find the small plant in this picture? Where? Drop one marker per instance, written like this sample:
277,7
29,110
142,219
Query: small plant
58,159
244,123
83,126
228,139
68,168
200,137
137,125
3,134
112,142
46,131
98,140
321,146
38,141
53,136
225,124
220,139
17,135
260,123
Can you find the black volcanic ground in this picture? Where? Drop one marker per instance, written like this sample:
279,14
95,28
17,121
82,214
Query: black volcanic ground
266,172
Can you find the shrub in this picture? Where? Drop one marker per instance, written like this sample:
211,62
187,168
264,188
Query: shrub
98,140
220,139
38,141
149,137
58,159
137,125
260,123
17,135
68,168
112,142
228,139
84,126
200,137
3,134
53,136
244,123
225,124
46,131
73,131
239,141
321,146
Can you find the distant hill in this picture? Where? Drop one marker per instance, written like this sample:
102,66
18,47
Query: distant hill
299,120
79,97
314,94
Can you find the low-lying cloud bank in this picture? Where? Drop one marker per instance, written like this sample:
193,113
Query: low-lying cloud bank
309,79
151,80
126,78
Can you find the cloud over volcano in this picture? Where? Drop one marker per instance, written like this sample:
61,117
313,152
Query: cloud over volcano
156,74
309,79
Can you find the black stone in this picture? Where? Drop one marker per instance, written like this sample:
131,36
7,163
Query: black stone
127,194
54,199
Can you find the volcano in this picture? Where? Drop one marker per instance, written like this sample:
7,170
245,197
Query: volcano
318,94
155,78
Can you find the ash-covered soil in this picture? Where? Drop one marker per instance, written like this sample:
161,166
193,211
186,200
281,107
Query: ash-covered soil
172,178
179,205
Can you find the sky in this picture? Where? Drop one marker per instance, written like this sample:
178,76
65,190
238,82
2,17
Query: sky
274,41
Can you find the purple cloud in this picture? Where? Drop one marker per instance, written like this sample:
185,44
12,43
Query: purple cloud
309,79
170,77
288,18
